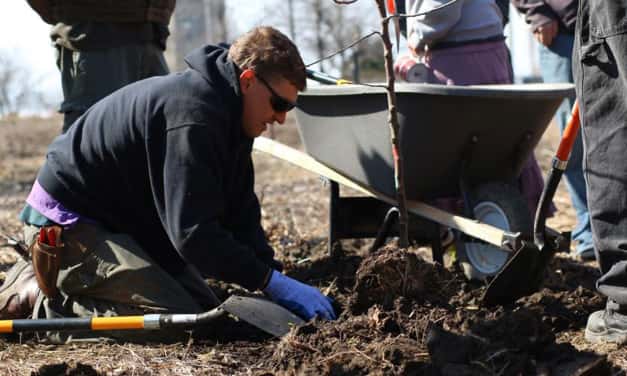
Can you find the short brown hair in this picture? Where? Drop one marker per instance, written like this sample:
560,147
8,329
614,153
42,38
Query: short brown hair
269,53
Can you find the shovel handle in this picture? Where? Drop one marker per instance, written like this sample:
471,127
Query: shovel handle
324,78
560,161
140,322
569,135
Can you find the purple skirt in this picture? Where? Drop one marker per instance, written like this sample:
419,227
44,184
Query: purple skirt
472,64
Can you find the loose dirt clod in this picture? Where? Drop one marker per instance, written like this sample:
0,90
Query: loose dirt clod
392,272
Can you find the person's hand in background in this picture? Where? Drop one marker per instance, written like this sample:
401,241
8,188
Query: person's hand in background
547,32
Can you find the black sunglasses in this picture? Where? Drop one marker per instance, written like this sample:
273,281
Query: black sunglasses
278,103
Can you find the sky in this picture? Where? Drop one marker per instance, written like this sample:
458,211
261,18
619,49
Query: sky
25,39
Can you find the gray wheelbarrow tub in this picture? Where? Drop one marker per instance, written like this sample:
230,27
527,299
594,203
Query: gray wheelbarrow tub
345,127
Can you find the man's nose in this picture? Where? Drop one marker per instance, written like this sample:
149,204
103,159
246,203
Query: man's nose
279,117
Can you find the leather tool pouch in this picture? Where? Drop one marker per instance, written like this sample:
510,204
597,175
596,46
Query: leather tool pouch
46,254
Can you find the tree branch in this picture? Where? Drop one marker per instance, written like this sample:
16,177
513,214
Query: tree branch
361,39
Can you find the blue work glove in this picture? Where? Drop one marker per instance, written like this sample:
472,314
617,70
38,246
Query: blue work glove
302,299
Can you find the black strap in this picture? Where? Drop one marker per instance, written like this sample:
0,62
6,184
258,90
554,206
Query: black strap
443,45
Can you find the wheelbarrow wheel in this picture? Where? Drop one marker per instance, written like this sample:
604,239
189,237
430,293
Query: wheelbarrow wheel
501,205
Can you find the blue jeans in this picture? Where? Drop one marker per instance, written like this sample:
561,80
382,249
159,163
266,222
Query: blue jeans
555,66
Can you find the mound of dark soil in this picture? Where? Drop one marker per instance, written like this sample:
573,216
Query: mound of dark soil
405,316
358,345
392,272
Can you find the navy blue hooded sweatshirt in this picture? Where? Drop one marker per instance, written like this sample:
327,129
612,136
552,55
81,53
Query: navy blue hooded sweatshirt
165,160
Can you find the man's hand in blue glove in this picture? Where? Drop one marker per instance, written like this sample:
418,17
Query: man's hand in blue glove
302,299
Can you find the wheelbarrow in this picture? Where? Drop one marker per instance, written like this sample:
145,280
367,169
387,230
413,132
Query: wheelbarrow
470,142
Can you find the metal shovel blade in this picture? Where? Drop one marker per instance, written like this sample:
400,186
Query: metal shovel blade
262,313
521,276
524,272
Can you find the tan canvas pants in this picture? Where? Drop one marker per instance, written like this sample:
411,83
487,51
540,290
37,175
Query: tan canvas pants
108,274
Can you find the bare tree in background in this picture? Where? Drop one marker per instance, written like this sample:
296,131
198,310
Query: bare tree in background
17,89
365,63
334,27
196,23
216,20
320,20
319,26
290,15
312,18
345,25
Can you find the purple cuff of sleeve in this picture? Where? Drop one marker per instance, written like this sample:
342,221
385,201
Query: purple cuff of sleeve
52,209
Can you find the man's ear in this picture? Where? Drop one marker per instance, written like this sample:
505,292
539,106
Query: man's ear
246,79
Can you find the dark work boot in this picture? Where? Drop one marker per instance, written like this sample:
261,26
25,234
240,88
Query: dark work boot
608,325
19,292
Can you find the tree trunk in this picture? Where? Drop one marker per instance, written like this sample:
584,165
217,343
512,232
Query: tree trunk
399,180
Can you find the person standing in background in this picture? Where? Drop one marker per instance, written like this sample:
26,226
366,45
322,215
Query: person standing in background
553,24
463,44
102,46
460,44
599,62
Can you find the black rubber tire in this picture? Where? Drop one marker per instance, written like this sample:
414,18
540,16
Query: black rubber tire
490,201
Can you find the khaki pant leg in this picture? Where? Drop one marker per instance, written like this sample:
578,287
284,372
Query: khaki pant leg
104,273
108,274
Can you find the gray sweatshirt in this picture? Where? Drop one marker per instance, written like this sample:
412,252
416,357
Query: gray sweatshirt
464,20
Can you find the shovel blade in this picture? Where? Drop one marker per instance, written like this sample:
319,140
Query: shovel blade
521,276
262,313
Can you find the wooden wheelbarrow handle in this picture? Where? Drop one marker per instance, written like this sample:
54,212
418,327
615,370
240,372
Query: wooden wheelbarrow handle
504,239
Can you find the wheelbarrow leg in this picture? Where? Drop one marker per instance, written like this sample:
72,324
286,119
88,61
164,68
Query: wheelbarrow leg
391,217
334,198
437,251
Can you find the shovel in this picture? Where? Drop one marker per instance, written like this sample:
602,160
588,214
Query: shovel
324,78
524,272
257,311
